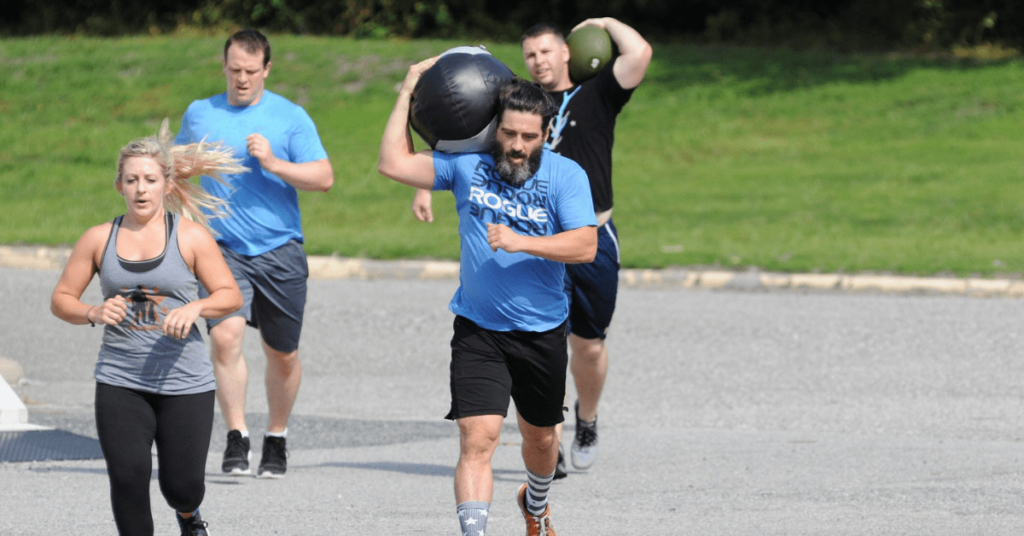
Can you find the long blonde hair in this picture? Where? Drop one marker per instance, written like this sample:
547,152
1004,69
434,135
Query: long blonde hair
179,164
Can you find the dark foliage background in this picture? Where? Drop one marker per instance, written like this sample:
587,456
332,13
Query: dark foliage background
842,24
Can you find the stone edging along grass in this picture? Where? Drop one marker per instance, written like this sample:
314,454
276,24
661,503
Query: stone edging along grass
333,267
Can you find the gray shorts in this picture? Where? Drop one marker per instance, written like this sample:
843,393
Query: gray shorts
273,289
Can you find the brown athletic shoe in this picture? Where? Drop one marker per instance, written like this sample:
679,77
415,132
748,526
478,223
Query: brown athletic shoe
535,525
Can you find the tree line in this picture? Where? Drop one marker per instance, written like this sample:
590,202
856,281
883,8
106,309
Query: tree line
843,24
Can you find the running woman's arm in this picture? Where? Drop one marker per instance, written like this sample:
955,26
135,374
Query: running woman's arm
66,300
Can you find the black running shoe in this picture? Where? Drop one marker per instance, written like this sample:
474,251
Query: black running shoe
236,455
275,458
193,526
560,471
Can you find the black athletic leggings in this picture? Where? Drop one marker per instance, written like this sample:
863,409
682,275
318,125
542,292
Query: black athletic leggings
128,422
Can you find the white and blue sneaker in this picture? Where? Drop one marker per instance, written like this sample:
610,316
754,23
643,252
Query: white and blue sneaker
584,445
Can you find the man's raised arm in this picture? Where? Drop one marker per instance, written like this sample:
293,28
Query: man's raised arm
398,160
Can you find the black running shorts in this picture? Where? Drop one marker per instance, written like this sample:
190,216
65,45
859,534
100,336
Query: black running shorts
488,367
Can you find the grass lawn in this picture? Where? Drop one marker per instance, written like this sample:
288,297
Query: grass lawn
736,157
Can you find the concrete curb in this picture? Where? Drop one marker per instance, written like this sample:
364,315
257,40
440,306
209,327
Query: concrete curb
335,267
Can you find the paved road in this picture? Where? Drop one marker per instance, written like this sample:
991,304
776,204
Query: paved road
727,413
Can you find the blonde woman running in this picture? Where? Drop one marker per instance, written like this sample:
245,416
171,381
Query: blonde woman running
154,381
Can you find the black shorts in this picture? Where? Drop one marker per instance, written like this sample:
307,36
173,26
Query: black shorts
273,289
490,366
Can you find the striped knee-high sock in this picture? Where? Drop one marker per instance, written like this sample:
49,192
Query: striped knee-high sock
537,492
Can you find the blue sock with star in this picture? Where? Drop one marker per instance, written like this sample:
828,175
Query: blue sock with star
473,518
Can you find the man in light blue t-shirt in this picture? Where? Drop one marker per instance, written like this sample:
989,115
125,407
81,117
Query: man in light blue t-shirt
261,239
584,130
524,212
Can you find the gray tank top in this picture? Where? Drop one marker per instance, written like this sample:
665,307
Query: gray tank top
135,353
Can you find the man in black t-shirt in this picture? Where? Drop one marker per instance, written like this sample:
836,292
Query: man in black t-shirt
584,131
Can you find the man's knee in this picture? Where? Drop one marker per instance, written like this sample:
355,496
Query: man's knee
281,360
540,450
477,438
586,350
226,340
541,439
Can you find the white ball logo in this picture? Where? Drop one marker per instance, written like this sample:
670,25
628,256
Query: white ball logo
595,62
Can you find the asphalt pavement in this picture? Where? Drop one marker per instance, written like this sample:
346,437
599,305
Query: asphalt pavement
730,410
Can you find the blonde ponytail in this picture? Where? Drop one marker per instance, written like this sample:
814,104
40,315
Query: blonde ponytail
182,162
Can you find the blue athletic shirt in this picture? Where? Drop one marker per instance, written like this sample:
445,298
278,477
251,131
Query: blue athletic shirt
264,208
504,291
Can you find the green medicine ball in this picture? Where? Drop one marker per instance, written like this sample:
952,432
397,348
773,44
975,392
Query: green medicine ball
590,49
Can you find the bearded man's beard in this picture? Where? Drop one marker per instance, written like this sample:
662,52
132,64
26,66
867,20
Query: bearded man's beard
515,174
